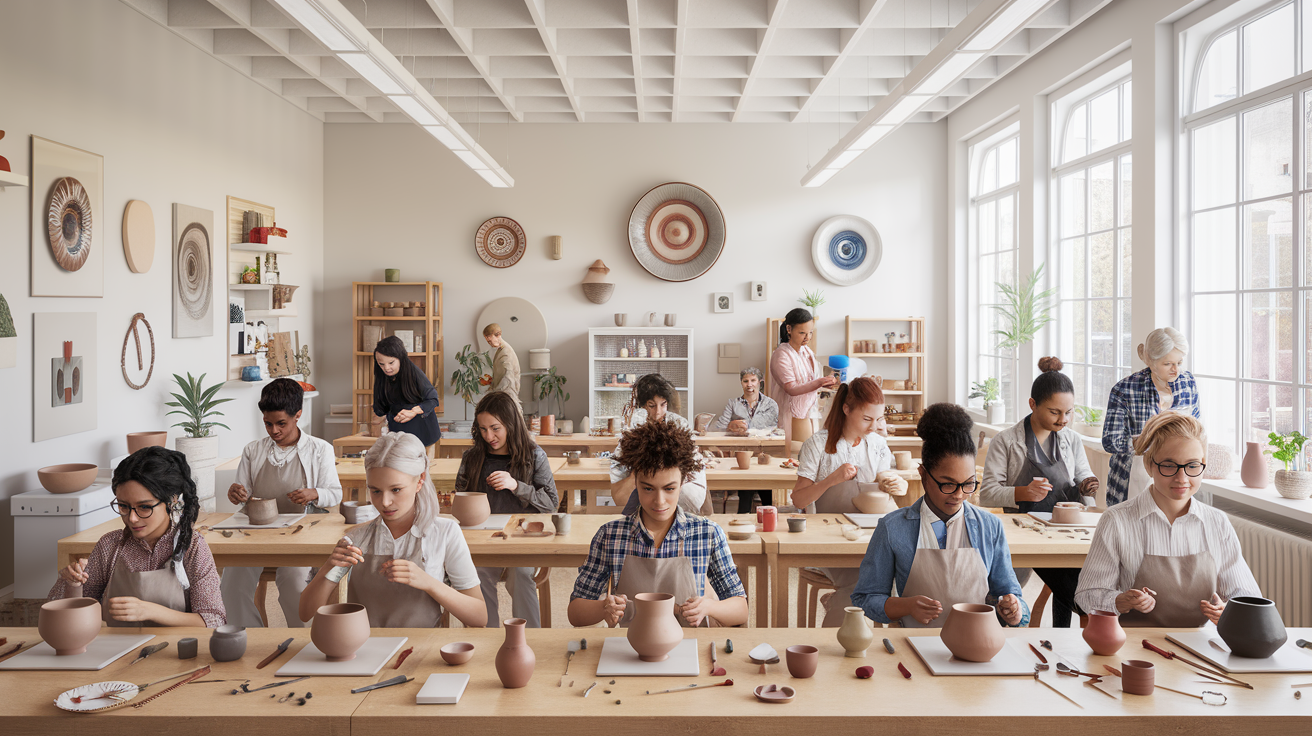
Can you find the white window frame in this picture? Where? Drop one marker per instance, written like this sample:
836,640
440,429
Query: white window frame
977,151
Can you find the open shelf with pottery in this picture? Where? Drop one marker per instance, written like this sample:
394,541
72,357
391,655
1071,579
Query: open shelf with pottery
865,338
611,352
257,301
425,323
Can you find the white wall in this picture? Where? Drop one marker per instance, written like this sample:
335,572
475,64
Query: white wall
174,125
393,197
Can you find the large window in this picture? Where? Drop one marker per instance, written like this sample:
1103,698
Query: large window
994,246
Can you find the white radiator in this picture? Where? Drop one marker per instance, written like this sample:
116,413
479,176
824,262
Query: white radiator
1282,564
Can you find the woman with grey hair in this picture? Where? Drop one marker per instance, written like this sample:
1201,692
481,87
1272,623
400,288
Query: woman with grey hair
749,411
1162,386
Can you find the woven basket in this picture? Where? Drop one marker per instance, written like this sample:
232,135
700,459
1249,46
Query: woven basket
1294,484
598,293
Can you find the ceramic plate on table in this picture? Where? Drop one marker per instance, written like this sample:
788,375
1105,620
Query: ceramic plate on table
1087,519
95,698
239,520
1289,658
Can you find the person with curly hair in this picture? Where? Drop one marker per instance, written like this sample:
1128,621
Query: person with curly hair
653,396
659,548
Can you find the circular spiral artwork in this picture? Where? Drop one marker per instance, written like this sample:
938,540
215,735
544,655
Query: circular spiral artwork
194,270
846,250
68,223
500,242
677,231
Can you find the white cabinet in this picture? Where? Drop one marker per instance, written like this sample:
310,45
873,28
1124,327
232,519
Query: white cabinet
609,387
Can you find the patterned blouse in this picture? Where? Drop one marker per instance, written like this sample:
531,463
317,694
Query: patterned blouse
1133,401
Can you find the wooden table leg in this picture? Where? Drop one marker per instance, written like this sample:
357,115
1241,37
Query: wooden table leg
778,584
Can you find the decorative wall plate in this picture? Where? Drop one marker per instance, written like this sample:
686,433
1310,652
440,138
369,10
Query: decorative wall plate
677,231
68,221
138,236
500,242
846,249
195,274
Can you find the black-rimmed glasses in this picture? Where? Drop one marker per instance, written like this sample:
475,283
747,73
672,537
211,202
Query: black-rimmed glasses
951,488
143,511
1168,470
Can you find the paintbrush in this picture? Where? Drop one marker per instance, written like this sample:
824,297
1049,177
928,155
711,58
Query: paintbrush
691,687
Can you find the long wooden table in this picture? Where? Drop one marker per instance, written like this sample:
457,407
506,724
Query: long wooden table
833,701
350,472
558,444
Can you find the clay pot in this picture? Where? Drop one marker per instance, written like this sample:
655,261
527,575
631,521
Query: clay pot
871,500
138,440
67,478
471,509
802,660
1067,512
356,512
1137,677
654,631
1103,633
547,425
68,625
744,458
1253,470
339,630
262,511
797,524
457,652
972,632
1295,485
228,643
763,458
902,460
1251,627
855,635
515,660
740,529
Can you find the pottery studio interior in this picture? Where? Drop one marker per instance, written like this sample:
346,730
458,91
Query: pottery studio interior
939,365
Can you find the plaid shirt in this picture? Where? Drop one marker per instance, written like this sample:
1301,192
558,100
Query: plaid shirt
1133,401
704,544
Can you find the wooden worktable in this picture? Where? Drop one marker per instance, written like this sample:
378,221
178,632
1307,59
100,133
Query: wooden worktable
452,447
833,702
350,472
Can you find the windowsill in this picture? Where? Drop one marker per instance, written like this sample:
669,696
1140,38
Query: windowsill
1262,499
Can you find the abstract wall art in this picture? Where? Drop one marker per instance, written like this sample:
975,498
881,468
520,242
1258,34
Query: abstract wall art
68,253
64,374
193,271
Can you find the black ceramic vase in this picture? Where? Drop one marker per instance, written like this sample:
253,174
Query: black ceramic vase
1251,627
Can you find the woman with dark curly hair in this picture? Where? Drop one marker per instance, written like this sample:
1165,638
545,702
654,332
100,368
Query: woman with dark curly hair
653,397
659,548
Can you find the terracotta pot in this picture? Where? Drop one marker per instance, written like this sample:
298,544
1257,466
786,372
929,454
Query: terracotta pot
1253,470
654,630
802,660
138,440
871,500
515,660
1103,633
902,460
339,630
1251,627
262,511
228,643
547,425
1067,512
68,625
1137,677
763,458
744,458
972,632
471,509
855,635
67,478
457,652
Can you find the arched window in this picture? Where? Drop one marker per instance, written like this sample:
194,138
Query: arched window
994,247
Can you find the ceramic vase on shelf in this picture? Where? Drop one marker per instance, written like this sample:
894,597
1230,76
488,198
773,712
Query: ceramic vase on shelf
470,508
1253,471
654,631
855,635
68,625
972,632
1103,633
515,660
1251,627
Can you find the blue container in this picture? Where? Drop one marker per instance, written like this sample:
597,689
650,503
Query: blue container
250,373
840,364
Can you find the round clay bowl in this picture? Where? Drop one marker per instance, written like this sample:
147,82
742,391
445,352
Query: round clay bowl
741,530
1067,513
68,625
67,478
138,440
457,652
802,660
774,694
972,632
262,511
471,509
339,629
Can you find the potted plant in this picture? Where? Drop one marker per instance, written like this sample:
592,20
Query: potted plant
1025,310
551,384
470,379
1090,423
990,390
812,300
197,406
1288,448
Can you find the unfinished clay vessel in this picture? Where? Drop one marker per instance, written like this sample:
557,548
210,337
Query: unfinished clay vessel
744,458
1138,677
870,500
654,631
339,630
68,625
902,460
855,635
262,511
67,478
1103,633
138,440
228,643
972,632
515,660
1067,512
470,508
457,652
802,660
763,458
1251,627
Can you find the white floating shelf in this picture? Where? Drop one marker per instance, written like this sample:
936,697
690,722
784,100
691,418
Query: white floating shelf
276,248
11,179
250,287
269,313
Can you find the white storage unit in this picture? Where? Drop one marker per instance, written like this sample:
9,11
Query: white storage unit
604,363
41,519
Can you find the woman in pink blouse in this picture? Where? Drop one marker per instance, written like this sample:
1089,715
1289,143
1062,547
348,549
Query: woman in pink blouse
796,377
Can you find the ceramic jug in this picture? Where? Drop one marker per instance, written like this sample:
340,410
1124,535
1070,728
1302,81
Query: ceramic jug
972,632
654,631
515,660
855,635
1103,633
1251,627
1253,471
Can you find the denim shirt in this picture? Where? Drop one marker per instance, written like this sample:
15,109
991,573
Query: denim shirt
893,548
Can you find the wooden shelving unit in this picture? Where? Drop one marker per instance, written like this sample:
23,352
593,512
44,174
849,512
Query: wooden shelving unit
256,300
429,360
873,328
604,345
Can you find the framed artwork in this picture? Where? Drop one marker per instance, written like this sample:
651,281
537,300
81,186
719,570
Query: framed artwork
193,271
68,220
407,338
758,292
722,302
64,365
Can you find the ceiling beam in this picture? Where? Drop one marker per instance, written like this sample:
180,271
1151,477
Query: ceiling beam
537,9
464,37
635,43
774,11
680,43
847,42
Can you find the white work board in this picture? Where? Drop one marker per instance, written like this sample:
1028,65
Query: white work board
104,649
618,659
1289,658
240,520
934,653
369,659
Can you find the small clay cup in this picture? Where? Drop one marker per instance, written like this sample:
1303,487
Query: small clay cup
228,643
1067,512
763,458
1137,677
744,458
561,522
138,440
796,524
902,459
457,652
339,630
68,625
802,660
262,511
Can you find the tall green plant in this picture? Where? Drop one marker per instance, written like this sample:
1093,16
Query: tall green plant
1025,310
196,404
551,384
6,319
468,382
989,389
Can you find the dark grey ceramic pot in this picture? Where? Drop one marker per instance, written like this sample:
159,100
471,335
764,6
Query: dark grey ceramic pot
1251,627
228,643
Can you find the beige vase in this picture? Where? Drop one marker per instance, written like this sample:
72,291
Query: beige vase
855,635
68,625
471,509
972,632
654,631
339,630
871,500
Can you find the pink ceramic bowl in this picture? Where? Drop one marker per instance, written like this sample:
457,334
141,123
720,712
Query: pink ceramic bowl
67,478
339,630
68,625
457,652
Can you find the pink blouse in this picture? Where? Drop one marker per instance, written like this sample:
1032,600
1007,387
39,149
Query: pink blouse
791,366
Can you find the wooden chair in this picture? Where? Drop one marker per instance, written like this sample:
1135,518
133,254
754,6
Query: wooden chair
809,584
268,575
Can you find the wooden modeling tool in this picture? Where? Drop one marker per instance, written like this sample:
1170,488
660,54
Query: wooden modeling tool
196,675
1200,667
274,655
691,687
716,670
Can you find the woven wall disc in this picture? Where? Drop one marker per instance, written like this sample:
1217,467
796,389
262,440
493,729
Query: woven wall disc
500,242
68,223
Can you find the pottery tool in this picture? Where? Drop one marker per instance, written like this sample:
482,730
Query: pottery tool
570,649
589,690
267,660
902,668
1183,660
147,651
889,646
401,658
1062,666
1214,699
248,689
1055,690
1038,654
716,671
16,649
398,680
194,676
1301,642
691,687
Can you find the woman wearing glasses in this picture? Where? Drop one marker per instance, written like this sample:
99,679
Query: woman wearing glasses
156,571
1160,559
941,550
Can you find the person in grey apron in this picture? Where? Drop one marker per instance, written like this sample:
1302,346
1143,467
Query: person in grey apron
399,563
941,550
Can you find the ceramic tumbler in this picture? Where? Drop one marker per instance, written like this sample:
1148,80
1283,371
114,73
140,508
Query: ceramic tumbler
620,319
670,319
769,518
561,522
797,524
392,275
802,660
1137,677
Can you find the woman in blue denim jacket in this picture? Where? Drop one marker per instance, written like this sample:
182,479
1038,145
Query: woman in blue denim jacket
940,550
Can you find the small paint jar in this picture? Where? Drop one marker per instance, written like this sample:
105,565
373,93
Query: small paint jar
769,518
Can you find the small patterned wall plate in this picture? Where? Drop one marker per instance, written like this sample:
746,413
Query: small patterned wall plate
500,242
677,231
68,222
846,249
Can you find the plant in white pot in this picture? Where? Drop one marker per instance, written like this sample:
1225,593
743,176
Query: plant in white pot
1090,421
197,405
990,390
1290,482
469,381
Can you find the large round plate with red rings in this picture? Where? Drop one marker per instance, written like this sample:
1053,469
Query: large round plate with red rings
677,231
500,242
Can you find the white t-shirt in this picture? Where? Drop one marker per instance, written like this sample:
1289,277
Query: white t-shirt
871,457
443,549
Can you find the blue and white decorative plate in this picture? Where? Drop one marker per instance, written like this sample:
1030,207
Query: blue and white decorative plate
846,250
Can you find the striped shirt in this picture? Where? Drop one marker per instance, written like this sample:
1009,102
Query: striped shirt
704,544
1133,401
1129,531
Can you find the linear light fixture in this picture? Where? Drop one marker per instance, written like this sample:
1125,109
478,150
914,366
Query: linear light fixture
374,74
471,160
822,177
948,72
905,108
412,107
1003,25
309,15
492,178
446,137
870,137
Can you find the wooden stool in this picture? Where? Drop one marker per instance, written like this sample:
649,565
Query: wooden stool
268,575
809,584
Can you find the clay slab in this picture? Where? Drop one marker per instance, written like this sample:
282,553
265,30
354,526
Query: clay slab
619,660
1288,658
370,658
934,653
442,689
104,649
240,520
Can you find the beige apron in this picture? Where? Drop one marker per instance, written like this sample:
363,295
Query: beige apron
949,576
657,575
1180,582
838,500
390,605
271,481
154,586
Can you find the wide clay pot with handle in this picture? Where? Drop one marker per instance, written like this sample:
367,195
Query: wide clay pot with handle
339,630
1251,627
871,500
972,632
855,635
138,440
515,660
262,511
1103,633
654,631
1253,471
68,625
471,508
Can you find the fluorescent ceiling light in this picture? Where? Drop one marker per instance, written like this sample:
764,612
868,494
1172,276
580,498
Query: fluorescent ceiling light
444,134
845,158
870,137
1003,25
947,73
822,177
472,161
905,108
373,73
318,25
410,106
491,178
